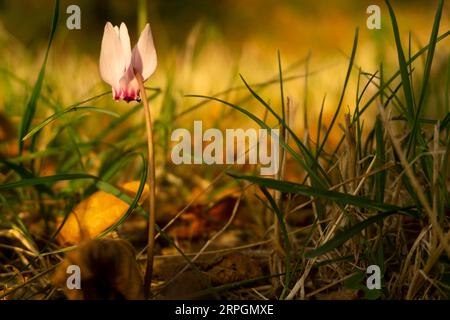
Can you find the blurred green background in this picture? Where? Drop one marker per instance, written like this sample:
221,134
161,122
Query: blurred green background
288,25
203,45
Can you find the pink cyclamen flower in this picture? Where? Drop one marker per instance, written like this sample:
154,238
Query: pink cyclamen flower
119,64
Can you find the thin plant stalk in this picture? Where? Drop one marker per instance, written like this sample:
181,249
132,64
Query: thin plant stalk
152,184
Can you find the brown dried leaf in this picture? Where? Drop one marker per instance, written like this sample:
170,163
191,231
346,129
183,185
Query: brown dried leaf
108,271
200,221
214,270
234,267
187,286
341,294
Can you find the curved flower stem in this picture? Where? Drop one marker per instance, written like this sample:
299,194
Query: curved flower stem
152,184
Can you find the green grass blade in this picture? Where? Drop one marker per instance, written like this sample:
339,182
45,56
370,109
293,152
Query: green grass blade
102,185
402,63
265,126
280,73
31,105
380,152
111,168
346,235
26,174
430,55
395,75
341,99
116,122
287,244
447,86
319,127
309,158
45,180
335,196
134,205
59,114
445,123
427,71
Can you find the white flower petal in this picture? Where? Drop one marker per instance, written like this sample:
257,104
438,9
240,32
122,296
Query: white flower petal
125,40
112,58
143,57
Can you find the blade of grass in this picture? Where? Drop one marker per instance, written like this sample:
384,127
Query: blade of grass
106,187
45,180
341,99
57,115
114,124
280,74
319,127
265,126
287,244
113,167
395,75
141,211
30,109
409,97
343,236
26,174
335,196
427,70
309,158
380,153
305,93
402,63
260,85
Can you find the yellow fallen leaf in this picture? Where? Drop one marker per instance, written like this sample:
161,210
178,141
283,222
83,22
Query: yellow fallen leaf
96,213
